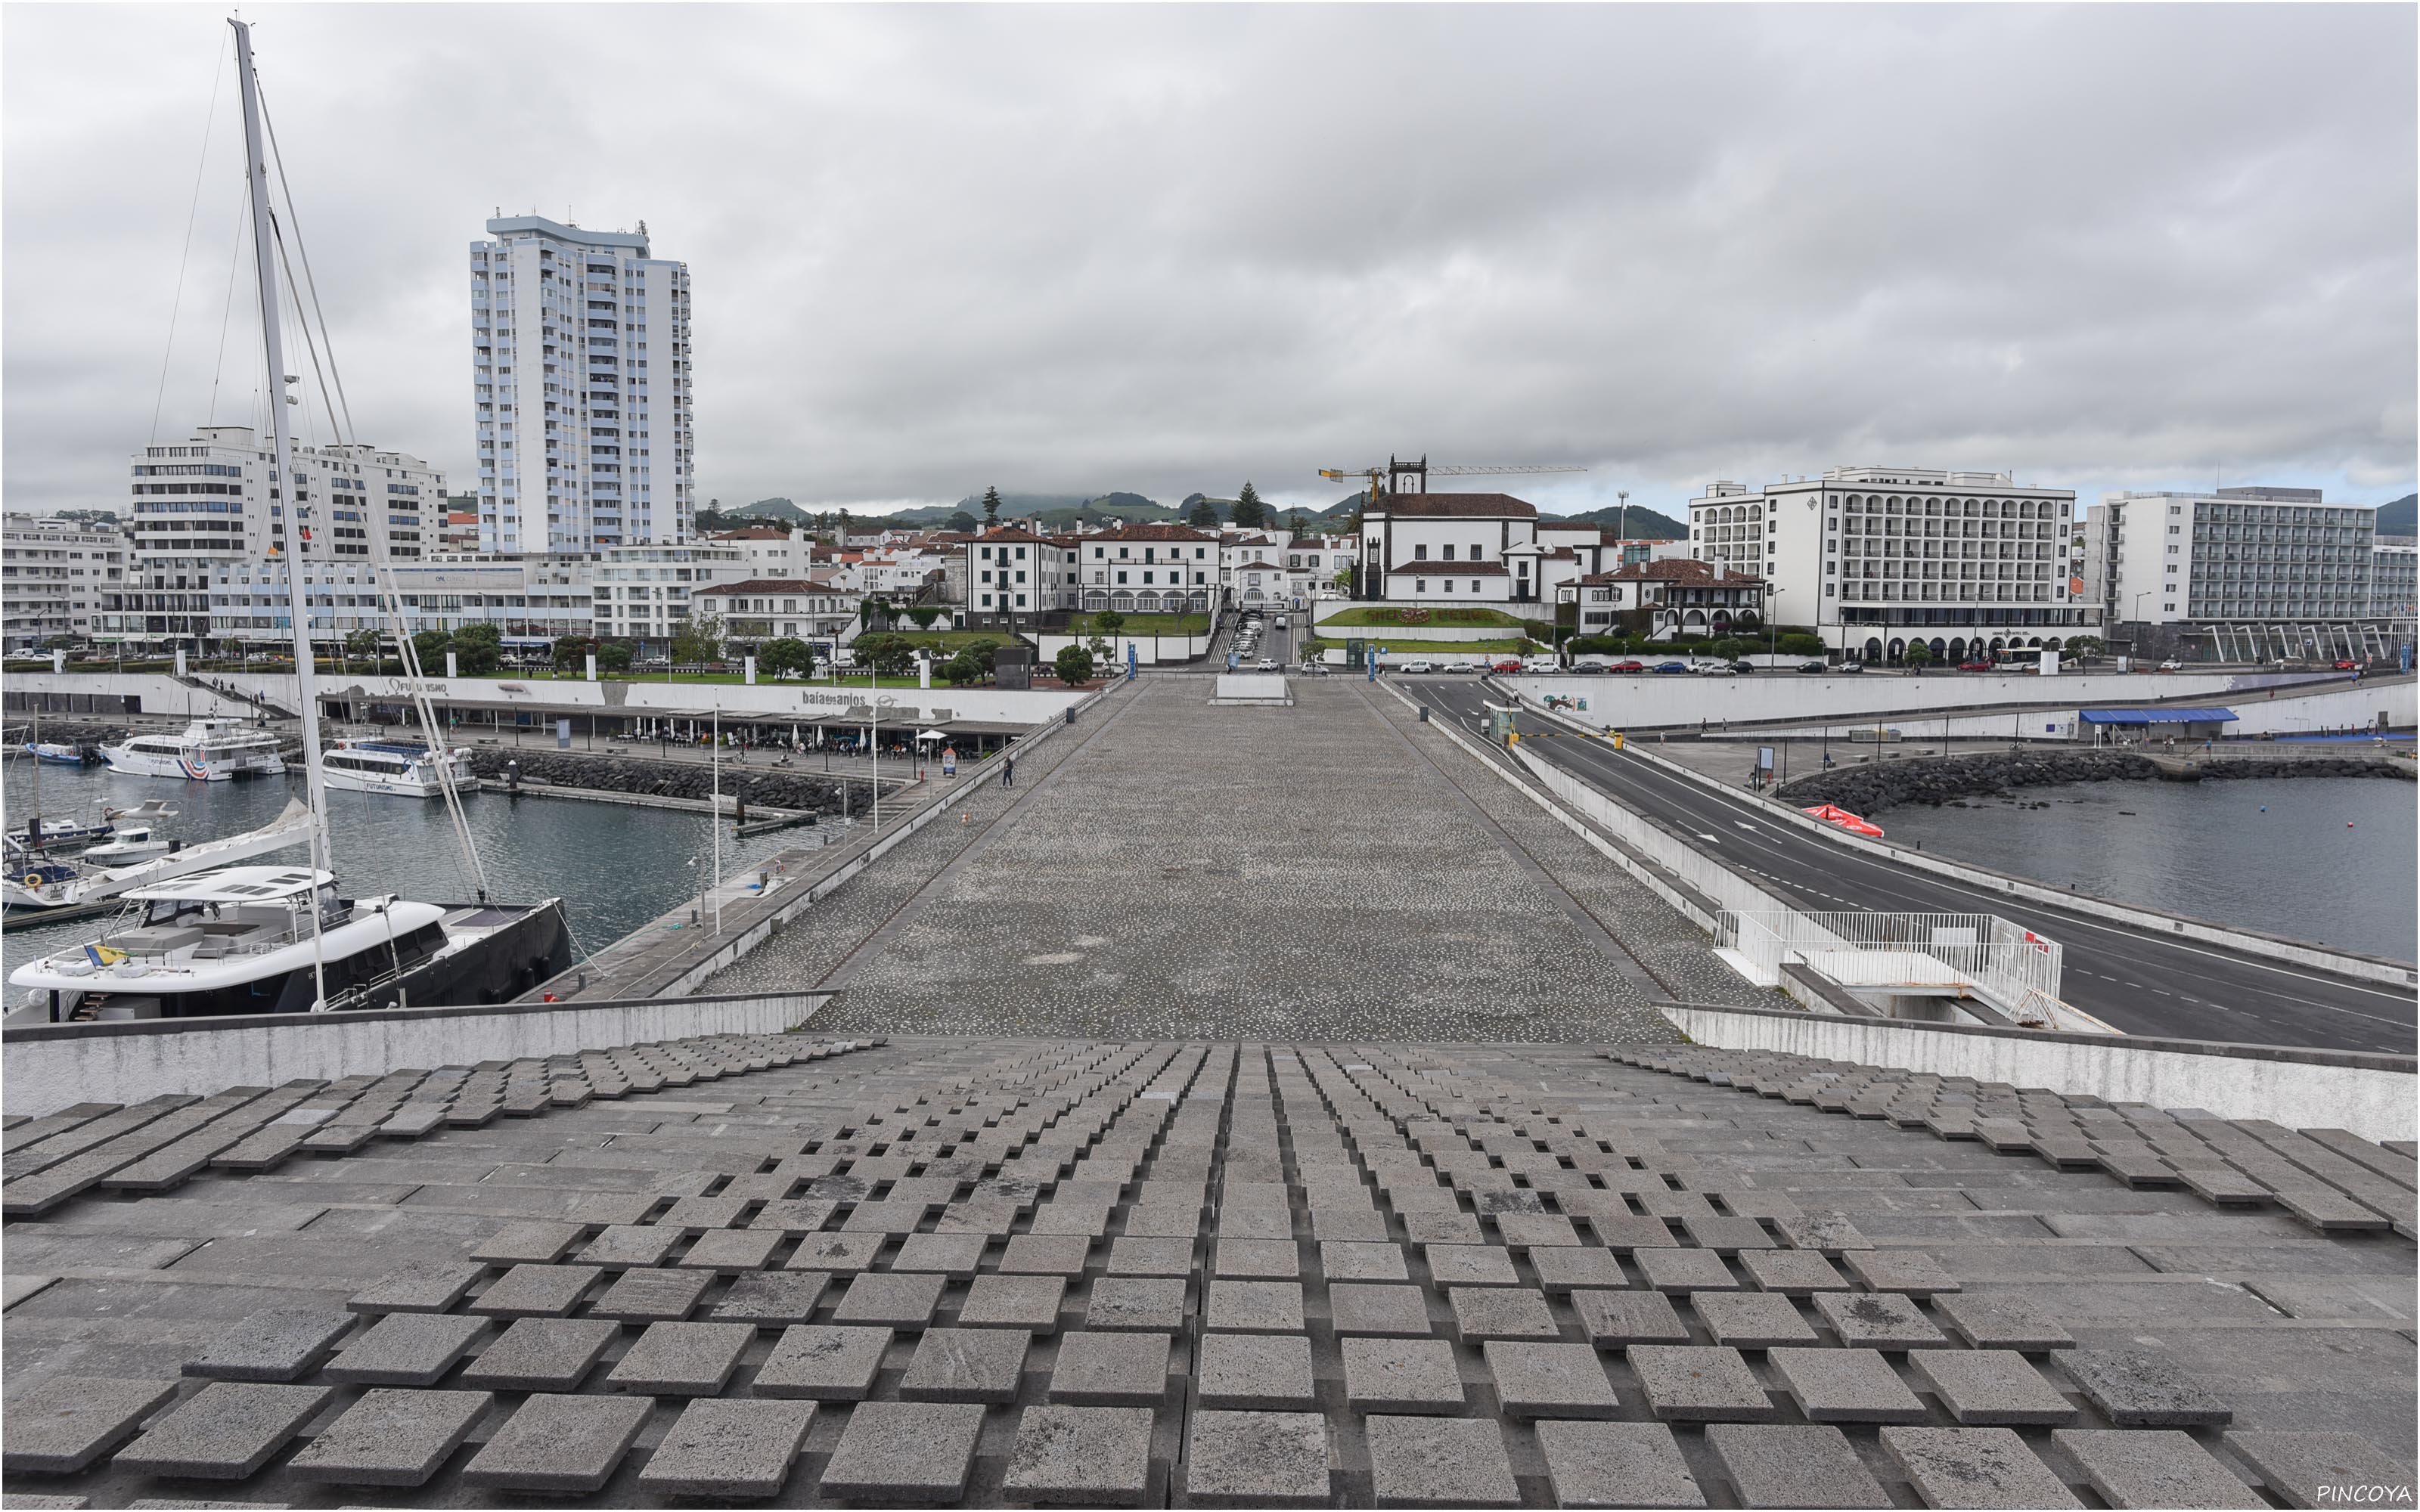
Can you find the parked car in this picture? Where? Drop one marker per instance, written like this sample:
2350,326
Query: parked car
1743,665
1853,668
1510,664
1541,664
1669,668
1265,665
2346,664
2172,666
1587,668
1417,667
1627,667
1810,666
1712,669
1977,667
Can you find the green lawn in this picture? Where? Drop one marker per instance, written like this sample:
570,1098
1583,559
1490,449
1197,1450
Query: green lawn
1406,649
1376,617
1142,625
954,640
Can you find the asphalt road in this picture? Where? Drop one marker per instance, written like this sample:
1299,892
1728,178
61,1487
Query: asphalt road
2139,983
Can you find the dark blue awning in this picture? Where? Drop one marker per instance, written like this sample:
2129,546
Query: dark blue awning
2131,717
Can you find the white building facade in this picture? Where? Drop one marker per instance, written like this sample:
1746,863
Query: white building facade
2394,580
757,609
644,592
60,579
1430,548
2251,554
532,600
212,501
1876,559
581,385
1148,569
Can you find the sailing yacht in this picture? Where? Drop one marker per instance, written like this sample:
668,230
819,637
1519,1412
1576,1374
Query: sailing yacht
248,940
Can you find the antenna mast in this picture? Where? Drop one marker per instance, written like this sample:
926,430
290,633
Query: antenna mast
289,493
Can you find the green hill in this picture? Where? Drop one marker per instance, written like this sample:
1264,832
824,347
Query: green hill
2397,517
1638,523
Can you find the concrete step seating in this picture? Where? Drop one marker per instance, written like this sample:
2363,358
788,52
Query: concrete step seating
2330,1180
987,1273
160,1144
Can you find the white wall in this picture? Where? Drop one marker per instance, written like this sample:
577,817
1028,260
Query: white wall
2373,1097
1647,701
48,1068
2258,714
162,694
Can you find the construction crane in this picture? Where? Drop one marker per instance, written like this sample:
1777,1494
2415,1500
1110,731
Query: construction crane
1420,472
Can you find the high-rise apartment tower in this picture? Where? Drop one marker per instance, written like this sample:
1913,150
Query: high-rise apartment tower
580,377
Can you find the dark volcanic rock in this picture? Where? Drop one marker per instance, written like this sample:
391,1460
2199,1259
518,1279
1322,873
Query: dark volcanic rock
800,792
1874,786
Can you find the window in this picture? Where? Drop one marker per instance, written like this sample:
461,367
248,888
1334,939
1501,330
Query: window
1449,556
1419,553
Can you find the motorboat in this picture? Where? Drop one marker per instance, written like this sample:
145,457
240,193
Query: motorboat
125,840
35,884
55,754
278,939
42,834
208,750
409,768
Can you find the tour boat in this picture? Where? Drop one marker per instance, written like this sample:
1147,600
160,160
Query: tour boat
405,767
33,884
209,750
278,939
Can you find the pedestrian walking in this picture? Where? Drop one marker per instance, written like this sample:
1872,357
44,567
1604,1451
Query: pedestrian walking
1008,773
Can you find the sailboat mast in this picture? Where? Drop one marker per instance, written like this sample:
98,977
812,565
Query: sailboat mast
290,491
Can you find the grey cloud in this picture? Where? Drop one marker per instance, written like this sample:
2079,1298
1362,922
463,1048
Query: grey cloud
1166,248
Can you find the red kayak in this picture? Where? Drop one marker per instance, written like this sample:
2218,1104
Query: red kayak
1832,813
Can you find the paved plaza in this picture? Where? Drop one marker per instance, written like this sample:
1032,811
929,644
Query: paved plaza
1174,868
1030,1272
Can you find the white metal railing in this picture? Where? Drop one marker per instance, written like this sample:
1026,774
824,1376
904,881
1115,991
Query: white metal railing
1979,953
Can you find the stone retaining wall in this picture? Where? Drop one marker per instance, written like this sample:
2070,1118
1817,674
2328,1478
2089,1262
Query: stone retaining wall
1870,788
800,792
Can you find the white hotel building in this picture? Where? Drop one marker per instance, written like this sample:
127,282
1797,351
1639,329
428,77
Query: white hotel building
581,377
59,579
1876,559
212,503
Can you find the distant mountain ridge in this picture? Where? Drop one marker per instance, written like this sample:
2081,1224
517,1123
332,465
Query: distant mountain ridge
2401,518
1134,508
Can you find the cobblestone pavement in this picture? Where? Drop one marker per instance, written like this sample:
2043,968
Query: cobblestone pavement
1016,1272
1676,952
1181,869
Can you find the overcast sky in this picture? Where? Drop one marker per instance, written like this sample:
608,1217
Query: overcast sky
1166,249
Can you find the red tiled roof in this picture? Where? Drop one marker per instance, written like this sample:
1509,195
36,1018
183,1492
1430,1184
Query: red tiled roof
1686,570
1153,532
770,585
751,533
1009,533
1452,506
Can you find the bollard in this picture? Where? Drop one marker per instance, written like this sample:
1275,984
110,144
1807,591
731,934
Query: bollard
1424,714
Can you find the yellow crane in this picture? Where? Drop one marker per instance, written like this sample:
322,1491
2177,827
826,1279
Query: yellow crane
1420,472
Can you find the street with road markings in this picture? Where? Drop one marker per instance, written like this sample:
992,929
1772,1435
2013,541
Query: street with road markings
2137,982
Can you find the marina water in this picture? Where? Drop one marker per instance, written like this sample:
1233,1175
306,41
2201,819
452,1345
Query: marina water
615,866
2319,859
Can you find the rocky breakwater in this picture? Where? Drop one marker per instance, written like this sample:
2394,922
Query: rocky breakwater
759,789
1873,787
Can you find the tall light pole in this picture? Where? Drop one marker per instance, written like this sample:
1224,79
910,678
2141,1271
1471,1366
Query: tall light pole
1622,521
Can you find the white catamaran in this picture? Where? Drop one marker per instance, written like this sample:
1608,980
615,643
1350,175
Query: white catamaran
281,939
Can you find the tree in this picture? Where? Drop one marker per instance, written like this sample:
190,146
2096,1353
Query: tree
786,656
924,614
1250,513
1801,645
431,646
1074,665
483,632
1296,523
613,656
363,643
1342,581
2084,645
889,655
843,528
1919,655
1110,621
697,639
991,507
1730,648
1204,515
571,653
961,523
